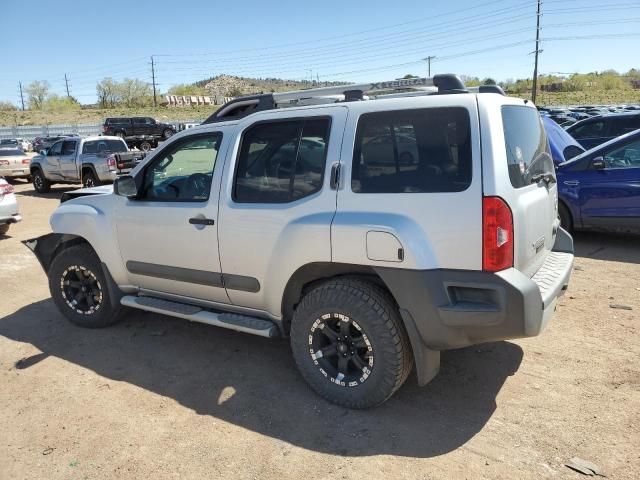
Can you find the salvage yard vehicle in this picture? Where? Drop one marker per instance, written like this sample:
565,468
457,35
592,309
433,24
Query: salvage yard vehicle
137,126
14,163
272,218
87,160
600,189
9,212
602,128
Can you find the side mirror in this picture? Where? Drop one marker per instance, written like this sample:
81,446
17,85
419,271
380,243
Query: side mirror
598,163
43,152
125,186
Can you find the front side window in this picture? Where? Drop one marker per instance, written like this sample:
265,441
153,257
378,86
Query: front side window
56,148
184,171
525,140
412,151
281,161
624,157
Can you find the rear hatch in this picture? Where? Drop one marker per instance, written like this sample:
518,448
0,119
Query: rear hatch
520,170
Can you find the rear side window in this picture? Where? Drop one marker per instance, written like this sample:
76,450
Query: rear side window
596,128
620,126
412,151
281,161
118,121
526,144
104,146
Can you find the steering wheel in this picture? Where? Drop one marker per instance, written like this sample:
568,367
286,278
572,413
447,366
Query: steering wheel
196,185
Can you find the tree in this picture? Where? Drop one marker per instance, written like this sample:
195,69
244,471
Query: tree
7,106
134,92
183,89
408,75
106,91
37,93
488,81
56,103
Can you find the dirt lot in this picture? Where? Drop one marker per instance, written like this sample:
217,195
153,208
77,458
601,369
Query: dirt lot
155,397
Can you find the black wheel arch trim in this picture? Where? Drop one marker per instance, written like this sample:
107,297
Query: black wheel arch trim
46,247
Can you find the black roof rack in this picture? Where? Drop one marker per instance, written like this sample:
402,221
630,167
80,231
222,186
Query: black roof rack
240,107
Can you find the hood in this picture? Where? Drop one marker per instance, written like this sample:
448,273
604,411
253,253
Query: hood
83,192
563,146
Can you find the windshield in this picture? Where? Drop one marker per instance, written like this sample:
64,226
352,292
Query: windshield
526,144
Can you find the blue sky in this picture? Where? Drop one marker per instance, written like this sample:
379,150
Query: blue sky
335,40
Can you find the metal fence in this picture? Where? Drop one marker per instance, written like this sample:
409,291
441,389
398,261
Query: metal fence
32,131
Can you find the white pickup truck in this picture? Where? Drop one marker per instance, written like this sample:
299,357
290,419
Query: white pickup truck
91,161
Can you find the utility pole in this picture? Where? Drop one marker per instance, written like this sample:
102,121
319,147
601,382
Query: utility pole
21,96
153,79
534,90
66,83
428,60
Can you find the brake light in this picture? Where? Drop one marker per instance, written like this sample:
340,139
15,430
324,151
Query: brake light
497,235
6,189
26,161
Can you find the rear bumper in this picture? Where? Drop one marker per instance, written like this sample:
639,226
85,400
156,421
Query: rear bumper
18,172
445,309
15,218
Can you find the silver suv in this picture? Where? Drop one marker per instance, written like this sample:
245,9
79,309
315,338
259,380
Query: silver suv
375,227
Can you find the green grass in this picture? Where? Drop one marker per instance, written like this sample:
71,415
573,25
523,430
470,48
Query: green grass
9,119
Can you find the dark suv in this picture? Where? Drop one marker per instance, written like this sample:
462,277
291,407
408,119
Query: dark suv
136,126
599,129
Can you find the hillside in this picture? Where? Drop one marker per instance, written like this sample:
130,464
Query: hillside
232,86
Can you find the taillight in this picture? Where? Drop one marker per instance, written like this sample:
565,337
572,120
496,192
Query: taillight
4,162
497,235
111,161
6,189
26,161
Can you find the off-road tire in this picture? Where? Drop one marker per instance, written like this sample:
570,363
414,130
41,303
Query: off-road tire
68,261
4,228
40,183
377,315
89,180
566,221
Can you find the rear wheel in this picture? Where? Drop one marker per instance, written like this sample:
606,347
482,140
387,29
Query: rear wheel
349,343
566,221
40,183
79,288
145,146
89,180
4,228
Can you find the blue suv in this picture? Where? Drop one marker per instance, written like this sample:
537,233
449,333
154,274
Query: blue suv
600,189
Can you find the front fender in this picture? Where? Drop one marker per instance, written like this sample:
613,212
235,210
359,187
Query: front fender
45,247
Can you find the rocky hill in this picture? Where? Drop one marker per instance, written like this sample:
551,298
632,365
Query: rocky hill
231,86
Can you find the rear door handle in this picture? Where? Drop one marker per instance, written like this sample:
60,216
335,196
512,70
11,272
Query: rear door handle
571,183
202,221
334,181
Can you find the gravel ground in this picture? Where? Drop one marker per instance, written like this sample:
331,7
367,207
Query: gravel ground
156,397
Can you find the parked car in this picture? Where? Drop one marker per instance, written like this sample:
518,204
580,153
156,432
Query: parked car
367,267
563,146
25,144
137,126
602,128
87,160
13,163
563,120
42,143
9,212
600,189
10,143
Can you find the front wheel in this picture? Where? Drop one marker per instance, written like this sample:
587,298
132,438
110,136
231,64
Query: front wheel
145,146
350,344
4,228
167,133
40,183
79,288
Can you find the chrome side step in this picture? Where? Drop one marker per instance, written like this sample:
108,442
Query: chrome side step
232,321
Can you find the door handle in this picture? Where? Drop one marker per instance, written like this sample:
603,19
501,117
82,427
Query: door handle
335,176
571,183
202,221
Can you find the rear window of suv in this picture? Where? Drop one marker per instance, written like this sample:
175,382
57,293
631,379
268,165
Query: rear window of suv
412,151
526,143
